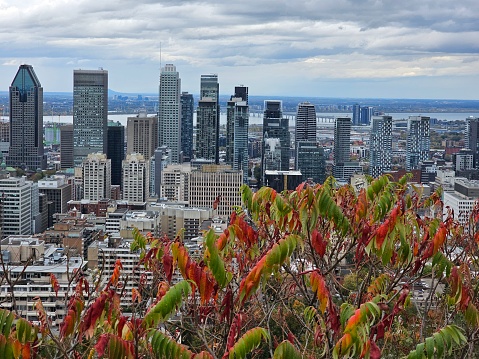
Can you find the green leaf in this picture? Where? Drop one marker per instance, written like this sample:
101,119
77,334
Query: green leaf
286,350
168,304
430,347
248,342
215,262
165,347
439,343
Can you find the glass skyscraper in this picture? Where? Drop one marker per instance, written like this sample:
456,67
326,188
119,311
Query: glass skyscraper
90,113
208,119
26,121
187,110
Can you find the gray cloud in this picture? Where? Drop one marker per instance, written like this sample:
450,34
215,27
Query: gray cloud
343,39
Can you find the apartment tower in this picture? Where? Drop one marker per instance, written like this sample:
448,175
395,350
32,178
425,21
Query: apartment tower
380,145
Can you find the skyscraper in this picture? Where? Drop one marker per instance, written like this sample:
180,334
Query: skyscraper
276,138
66,146
115,150
342,148
237,121
418,141
96,177
90,113
26,121
136,178
472,138
305,122
380,145
310,161
208,119
366,113
169,114
187,110
142,134
356,114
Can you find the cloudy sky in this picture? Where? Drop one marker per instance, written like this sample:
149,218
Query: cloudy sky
325,48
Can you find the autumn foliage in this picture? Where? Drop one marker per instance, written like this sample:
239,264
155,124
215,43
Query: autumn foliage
318,272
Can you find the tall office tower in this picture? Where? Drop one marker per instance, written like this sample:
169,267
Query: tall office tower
136,178
276,138
356,114
342,147
237,121
418,141
310,161
187,110
26,121
90,113
380,145
366,114
169,114
142,134
305,122
17,202
208,119
115,150
66,146
96,177
472,138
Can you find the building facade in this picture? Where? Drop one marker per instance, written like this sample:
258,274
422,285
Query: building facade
90,113
380,145
342,145
142,134
96,177
187,110
305,123
418,141
116,150
26,121
169,114
136,178
310,161
471,138
66,146
208,119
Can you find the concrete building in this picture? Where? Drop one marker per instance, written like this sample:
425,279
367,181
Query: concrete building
142,134
58,191
136,178
418,141
90,113
214,183
96,177
169,114
380,145
175,182
26,121
462,200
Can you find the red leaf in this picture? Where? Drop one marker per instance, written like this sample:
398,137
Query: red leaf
381,233
216,202
318,243
54,282
93,313
100,346
374,352
168,265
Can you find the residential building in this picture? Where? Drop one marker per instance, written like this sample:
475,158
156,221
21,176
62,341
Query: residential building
175,182
169,115
305,123
96,177
142,134
418,141
380,145
26,121
342,146
90,113
136,178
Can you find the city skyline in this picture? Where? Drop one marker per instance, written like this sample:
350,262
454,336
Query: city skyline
321,49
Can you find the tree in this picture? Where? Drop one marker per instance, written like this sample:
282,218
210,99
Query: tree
271,285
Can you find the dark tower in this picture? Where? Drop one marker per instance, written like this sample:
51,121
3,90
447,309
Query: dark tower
116,150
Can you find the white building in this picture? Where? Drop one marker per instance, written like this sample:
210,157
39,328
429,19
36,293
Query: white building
136,178
463,199
96,177
175,182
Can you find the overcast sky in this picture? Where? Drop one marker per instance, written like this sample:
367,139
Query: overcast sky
325,48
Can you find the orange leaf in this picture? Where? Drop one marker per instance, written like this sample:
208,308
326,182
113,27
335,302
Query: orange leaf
319,287
439,238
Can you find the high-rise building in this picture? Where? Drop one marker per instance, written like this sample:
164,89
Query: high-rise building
66,146
342,146
58,191
208,119
90,113
26,121
115,150
276,138
305,122
187,110
380,145
356,114
366,114
472,138
96,177
169,114
310,161
418,141
136,178
142,134
237,121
